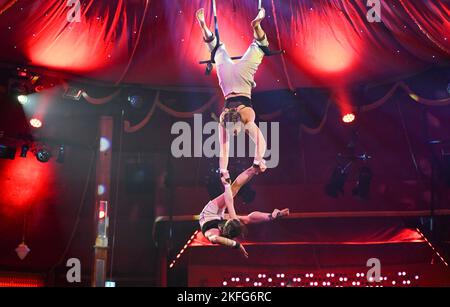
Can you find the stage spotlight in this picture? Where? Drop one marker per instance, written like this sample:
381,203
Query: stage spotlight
136,100
23,99
18,88
61,154
73,93
362,189
43,155
35,123
7,152
22,72
349,118
336,183
24,151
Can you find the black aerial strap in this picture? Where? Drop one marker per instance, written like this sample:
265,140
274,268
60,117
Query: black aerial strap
209,66
209,63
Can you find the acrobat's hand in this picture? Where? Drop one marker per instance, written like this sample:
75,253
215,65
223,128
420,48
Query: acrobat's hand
260,166
225,177
276,214
243,251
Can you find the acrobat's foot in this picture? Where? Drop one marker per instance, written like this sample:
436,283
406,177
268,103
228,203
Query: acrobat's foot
201,17
276,214
261,15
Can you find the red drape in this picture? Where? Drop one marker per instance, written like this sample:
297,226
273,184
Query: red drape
157,42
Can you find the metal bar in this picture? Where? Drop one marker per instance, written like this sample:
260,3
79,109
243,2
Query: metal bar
240,57
306,215
209,61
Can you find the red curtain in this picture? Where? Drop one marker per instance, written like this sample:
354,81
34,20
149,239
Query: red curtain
157,42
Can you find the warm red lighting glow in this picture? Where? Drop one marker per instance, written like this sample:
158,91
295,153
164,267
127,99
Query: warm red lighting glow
349,118
75,46
20,282
27,184
329,44
35,123
101,214
330,55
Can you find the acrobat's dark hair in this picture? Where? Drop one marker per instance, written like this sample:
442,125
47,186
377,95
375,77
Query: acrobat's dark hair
233,228
232,116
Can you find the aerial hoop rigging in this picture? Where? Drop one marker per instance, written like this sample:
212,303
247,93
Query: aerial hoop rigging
209,63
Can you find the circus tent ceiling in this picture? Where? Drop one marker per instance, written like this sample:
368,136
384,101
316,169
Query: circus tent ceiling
158,42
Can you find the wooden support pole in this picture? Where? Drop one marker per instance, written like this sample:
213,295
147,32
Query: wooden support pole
102,201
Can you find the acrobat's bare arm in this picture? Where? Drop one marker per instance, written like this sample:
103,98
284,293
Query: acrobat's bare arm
229,202
240,181
215,238
224,152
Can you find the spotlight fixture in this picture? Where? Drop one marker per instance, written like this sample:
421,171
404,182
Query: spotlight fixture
22,72
24,151
19,89
136,100
35,123
7,152
61,154
23,99
73,93
335,185
362,189
349,118
43,155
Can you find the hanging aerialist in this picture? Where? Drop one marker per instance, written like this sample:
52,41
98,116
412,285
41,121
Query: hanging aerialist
221,228
236,80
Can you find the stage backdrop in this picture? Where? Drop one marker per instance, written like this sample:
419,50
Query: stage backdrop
157,42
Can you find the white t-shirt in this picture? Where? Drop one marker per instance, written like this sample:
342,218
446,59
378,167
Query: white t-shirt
211,212
238,76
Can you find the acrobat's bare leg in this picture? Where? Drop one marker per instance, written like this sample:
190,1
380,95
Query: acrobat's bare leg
229,202
261,217
243,179
240,181
207,34
258,31
248,118
260,143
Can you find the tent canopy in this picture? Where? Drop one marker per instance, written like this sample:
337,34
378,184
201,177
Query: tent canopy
158,42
